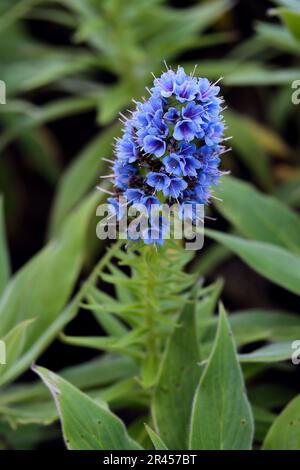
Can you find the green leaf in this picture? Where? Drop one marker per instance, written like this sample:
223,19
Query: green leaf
113,101
284,434
16,12
270,261
206,308
270,220
258,324
156,440
4,256
289,192
221,417
274,352
246,144
210,259
178,377
256,74
107,320
86,425
102,378
277,36
40,116
81,175
98,372
14,343
125,345
181,28
291,20
43,67
43,286
123,394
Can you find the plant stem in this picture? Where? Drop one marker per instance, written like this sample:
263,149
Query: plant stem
151,267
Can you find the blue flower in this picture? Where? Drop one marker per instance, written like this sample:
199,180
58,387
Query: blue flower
171,143
134,195
123,173
173,164
116,207
159,181
126,149
187,91
149,201
175,187
206,90
214,133
166,83
155,145
172,115
190,165
185,129
159,226
193,112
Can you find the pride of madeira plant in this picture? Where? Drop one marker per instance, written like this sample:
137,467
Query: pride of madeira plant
179,375
170,151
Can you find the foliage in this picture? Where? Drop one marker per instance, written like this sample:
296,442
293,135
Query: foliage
191,379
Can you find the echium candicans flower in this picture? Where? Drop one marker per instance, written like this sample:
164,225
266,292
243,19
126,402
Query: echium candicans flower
171,144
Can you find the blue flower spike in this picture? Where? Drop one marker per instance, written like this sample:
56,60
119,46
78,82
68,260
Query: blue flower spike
171,145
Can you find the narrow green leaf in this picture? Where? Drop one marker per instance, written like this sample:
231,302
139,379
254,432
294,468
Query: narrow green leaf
275,352
51,332
14,343
291,20
156,440
43,66
277,36
43,286
206,308
270,261
178,377
258,324
16,12
270,220
123,394
97,373
4,256
289,192
284,434
86,425
247,145
114,101
221,417
81,175
125,344
256,74
40,116
182,27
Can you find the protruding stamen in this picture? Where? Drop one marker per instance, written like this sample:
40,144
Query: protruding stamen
105,191
194,70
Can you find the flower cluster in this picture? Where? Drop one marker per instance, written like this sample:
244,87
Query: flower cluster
171,144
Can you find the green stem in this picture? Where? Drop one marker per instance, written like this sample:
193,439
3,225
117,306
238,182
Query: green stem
152,349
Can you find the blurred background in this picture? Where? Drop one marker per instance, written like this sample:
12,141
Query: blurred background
70,66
